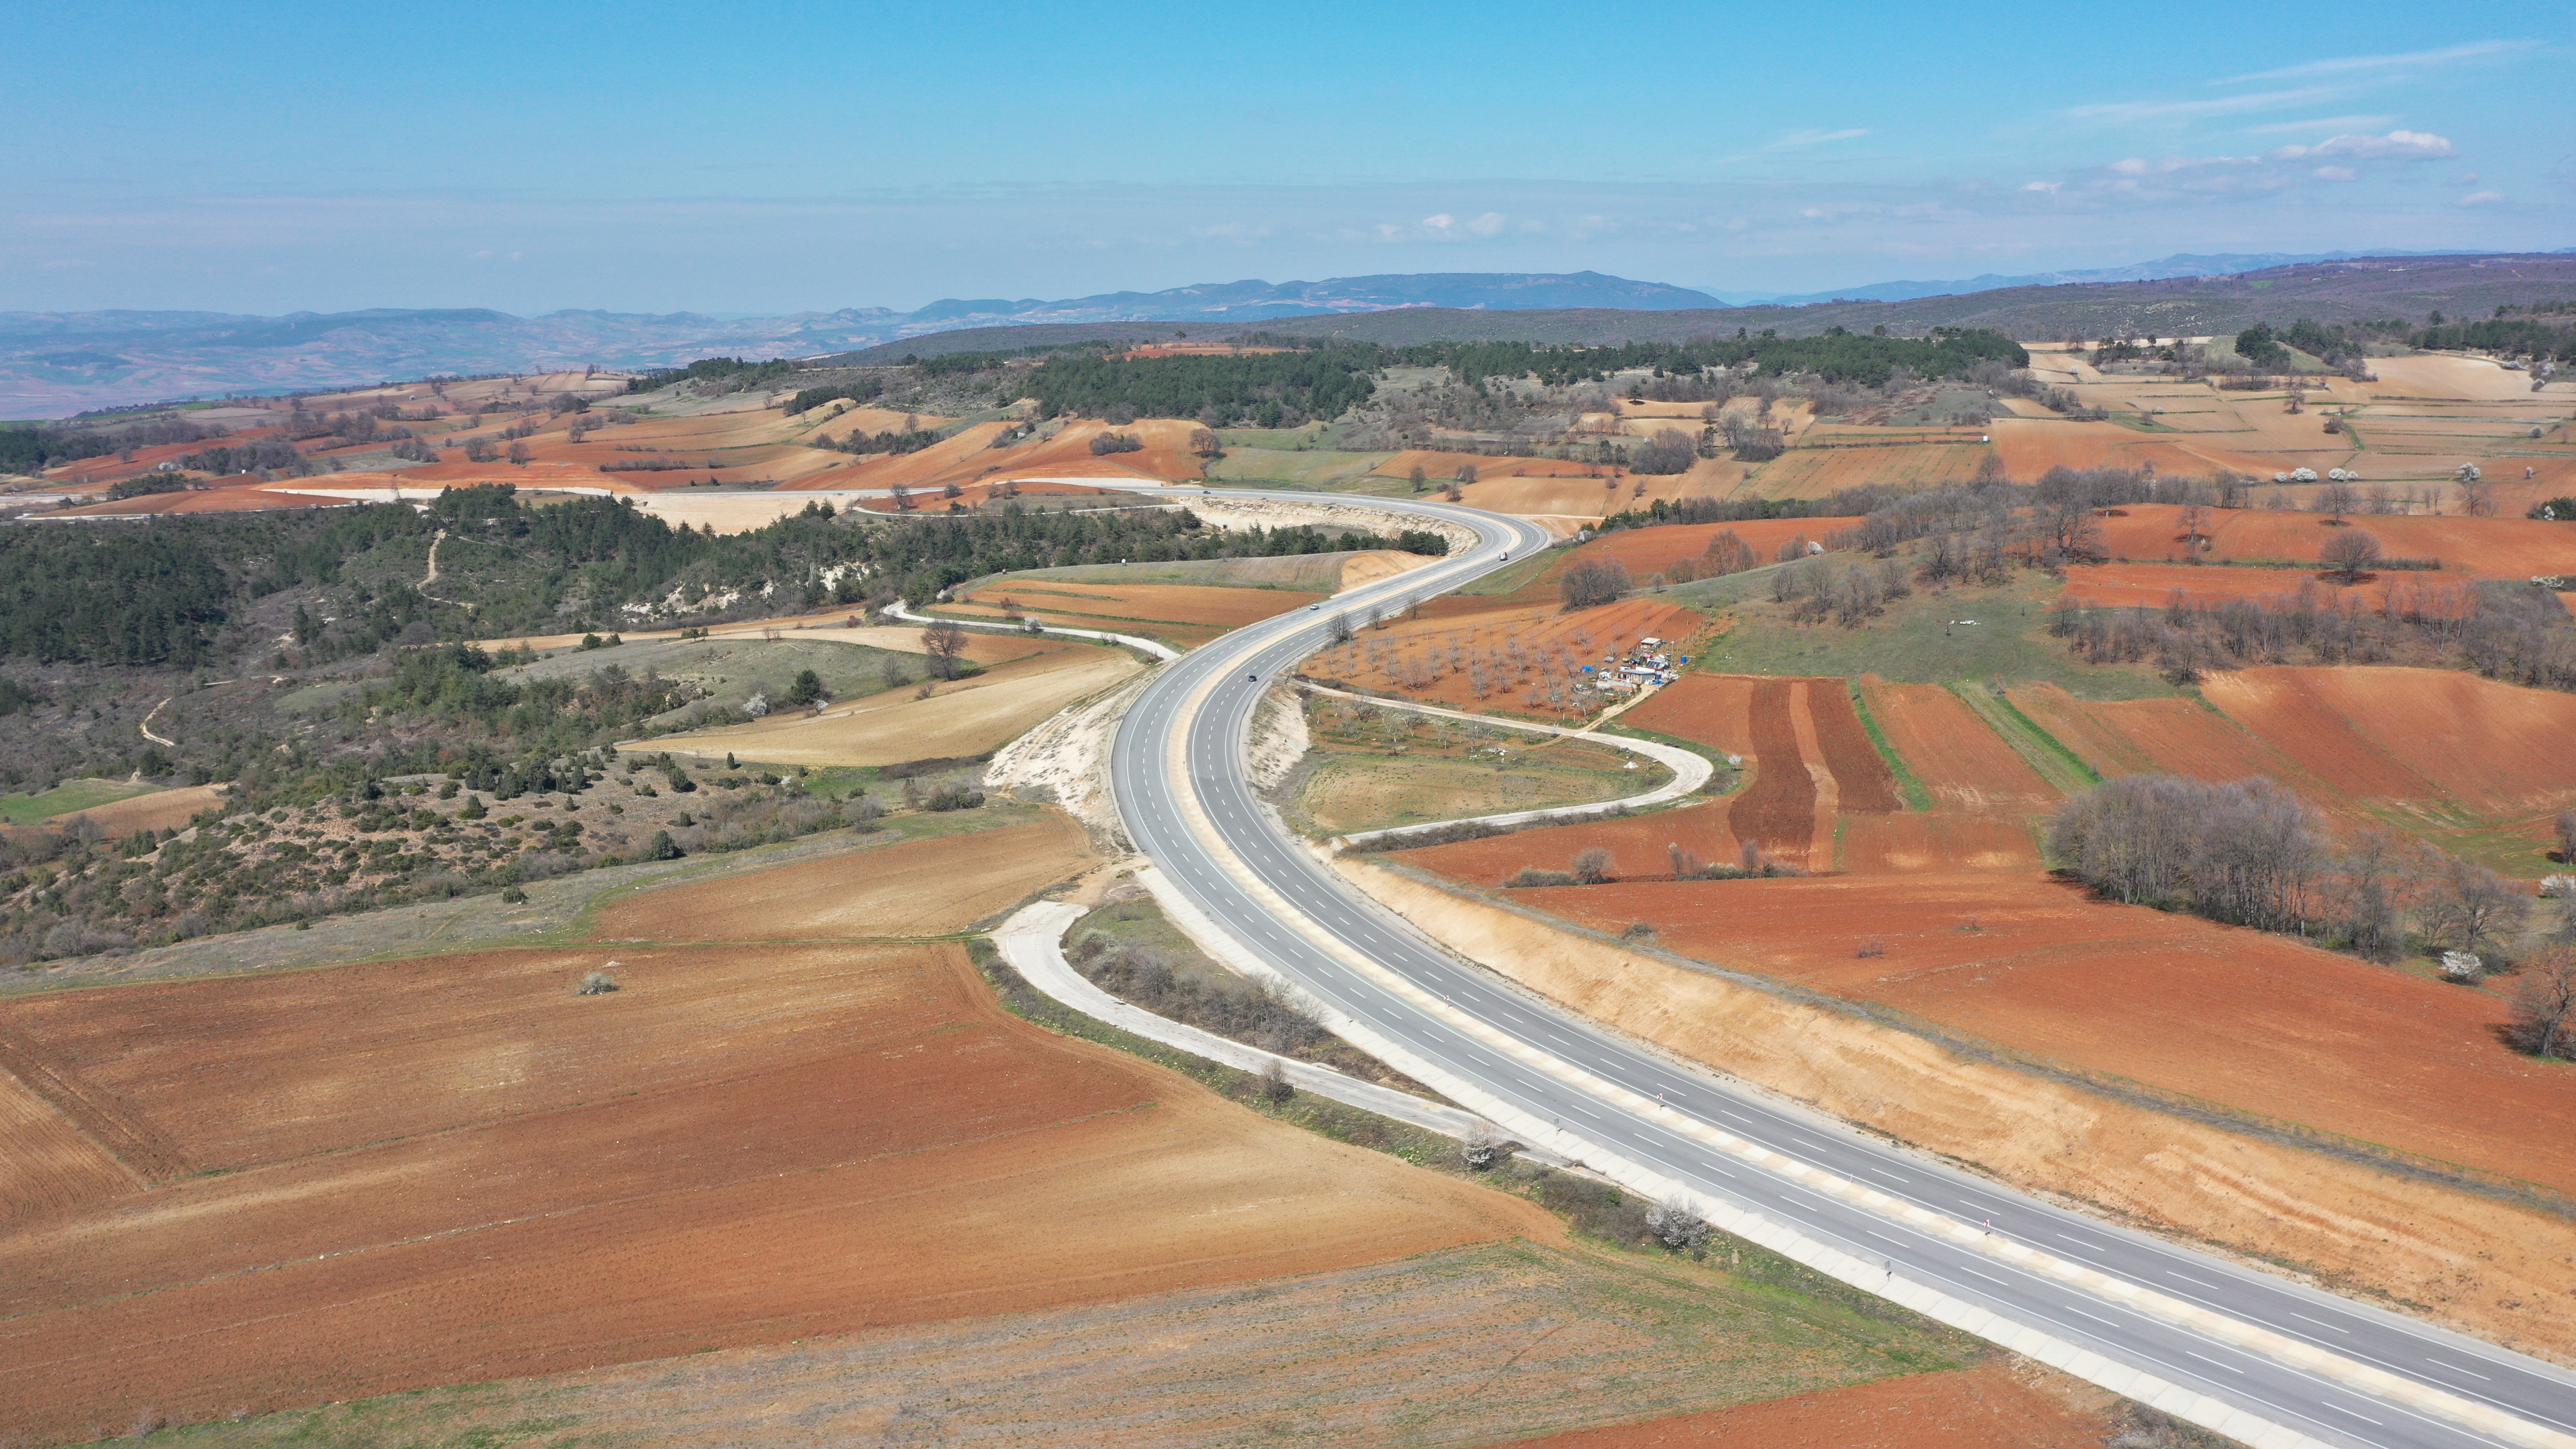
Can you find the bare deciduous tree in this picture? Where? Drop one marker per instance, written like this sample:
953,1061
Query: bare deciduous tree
944,642
1592,865
2544,1005
2349,552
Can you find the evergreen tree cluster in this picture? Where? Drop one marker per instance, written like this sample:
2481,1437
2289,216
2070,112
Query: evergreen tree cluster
1261,389
1836,356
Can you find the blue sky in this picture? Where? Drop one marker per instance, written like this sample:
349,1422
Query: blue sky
783,157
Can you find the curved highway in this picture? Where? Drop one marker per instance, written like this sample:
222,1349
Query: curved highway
2192,1332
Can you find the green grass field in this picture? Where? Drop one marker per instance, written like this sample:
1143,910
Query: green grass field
1318,468
67,797
1914,642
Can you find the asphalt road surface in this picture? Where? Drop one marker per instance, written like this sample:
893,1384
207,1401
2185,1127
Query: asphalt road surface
1203,705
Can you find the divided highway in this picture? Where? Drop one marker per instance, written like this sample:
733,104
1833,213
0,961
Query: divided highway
2315,1366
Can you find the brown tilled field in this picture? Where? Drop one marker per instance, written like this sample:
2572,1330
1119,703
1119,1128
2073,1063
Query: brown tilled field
2444,747
2485,548
454,1168
2158,586
2258,1022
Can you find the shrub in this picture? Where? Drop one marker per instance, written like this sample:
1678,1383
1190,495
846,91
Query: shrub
1592,583
1669,451
1530,875
597,983
663,847
953,797
1677,1225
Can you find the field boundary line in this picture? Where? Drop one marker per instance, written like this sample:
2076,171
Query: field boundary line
1917,798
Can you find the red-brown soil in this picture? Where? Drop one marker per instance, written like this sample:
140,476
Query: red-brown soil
2494,1267
455,1169
251,499
2486,548
2428,739
2447,747
1649,551
1997,1405
1983,795
1445,658
1810,763
2258,1022
2156,586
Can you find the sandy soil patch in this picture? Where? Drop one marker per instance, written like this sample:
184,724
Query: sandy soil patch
1851,460
160,810
2283,1029
912,890
1201,610
455,1169
965,717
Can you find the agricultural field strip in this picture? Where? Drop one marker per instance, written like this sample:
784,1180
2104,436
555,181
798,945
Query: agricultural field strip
1178,772
1690,770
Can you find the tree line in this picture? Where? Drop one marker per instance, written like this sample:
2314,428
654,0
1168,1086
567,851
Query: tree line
1261,389
1837,355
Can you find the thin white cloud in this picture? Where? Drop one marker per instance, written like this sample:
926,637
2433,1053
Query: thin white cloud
2395,146
2362,64
2323,123
1796,139
2116,112
1488,224
2336,173
2482,198
2049,187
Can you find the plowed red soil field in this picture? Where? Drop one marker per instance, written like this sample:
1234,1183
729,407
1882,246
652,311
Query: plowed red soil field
2430,739
1647,551
455,1169
1983,795
1810,761
2487,548
1987,1407
2255,1021
2155,586
2447,747
1499,658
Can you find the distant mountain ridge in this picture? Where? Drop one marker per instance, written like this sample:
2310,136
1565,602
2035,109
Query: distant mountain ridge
56,363
2181,264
